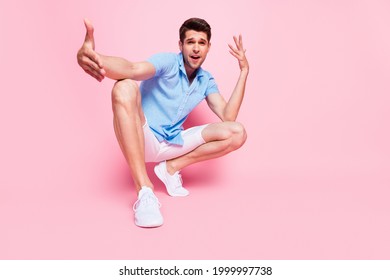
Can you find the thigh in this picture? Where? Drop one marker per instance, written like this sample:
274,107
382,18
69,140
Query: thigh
218,131
192,138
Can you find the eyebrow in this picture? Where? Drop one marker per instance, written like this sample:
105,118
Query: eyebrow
192,38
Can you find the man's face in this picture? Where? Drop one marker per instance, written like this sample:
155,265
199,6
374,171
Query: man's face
194,48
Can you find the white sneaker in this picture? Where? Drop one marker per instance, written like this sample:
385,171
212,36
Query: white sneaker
173,183
147,209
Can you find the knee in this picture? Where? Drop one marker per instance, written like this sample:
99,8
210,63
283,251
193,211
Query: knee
125,92
238,135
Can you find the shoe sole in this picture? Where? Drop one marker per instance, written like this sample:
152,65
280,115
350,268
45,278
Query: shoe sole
149,226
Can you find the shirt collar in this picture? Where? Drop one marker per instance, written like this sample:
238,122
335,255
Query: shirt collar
199,72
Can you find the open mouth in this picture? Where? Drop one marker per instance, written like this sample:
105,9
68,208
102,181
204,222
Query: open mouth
195,57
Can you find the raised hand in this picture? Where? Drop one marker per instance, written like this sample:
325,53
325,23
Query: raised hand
87,58
239,53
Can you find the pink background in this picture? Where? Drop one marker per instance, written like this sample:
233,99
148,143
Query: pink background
312,181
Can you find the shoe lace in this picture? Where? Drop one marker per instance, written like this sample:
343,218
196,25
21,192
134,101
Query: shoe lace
147,199
179,180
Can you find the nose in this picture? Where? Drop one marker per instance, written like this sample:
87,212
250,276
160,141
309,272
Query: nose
196,48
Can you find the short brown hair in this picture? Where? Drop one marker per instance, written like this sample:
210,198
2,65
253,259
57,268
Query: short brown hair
196,24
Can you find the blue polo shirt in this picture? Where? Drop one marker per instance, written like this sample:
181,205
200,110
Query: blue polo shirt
168,98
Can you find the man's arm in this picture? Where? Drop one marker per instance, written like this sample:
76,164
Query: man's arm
117,68
228,111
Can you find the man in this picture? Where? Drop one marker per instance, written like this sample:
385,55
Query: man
148,118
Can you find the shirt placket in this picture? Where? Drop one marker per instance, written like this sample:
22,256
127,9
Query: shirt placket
182,106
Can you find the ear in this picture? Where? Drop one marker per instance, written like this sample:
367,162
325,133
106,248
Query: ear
180,46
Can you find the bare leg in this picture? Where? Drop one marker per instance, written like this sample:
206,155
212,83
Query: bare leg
128,122
221,139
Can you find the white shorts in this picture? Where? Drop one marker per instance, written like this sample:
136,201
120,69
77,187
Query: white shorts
156,151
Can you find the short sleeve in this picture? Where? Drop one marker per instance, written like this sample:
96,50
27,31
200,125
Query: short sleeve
212,87
163,62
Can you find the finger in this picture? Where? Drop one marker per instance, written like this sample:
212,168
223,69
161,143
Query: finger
232,48
236,41
235,55
90,29
238,51
96,69
93,56
94,75
240,41
92,69
90,64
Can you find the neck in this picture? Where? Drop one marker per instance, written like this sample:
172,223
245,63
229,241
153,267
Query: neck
191,73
